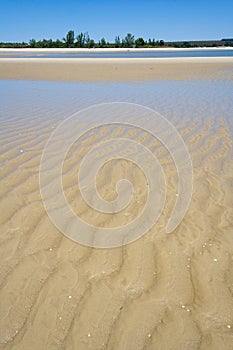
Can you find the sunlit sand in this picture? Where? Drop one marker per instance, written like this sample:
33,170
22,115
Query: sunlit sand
164,291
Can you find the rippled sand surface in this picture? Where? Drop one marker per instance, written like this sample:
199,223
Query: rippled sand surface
164,291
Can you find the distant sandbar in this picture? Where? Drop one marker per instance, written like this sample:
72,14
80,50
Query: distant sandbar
115,69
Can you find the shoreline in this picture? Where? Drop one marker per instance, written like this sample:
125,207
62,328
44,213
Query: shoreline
114,69
77,50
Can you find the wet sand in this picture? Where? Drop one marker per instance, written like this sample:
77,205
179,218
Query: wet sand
119,69
162,291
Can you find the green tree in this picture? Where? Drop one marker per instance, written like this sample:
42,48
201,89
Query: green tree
32,43
139,42
117,41
102,43
161,42
80,40
128,41
86,39
187,44
91,43
69,39
58,43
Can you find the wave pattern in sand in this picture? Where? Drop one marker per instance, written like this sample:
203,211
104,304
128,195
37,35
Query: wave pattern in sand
160,292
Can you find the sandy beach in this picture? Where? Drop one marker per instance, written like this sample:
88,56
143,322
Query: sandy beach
164,291
114,69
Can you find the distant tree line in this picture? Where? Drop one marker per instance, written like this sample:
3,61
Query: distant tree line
83,40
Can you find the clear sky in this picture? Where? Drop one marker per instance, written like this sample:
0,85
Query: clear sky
21,20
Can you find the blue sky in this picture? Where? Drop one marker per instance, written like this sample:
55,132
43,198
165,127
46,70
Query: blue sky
21,20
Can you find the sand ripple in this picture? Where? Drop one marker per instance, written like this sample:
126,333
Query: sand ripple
160,292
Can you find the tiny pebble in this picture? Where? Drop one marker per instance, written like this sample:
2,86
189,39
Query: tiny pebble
149,335
228,326
215,259
183,306
50,249
176,194
89,335
17,331
188,310
69,296
21,151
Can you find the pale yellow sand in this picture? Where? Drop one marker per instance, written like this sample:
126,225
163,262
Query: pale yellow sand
82,69
163,292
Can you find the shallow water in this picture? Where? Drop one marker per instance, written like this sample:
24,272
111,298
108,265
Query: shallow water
128,54
164,291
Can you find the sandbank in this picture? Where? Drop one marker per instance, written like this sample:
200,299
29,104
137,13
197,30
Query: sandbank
114,69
